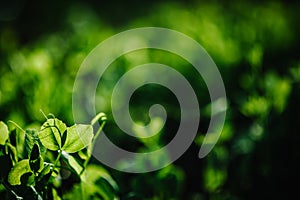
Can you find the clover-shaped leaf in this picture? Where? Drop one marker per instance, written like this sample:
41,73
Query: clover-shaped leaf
79,136
51,133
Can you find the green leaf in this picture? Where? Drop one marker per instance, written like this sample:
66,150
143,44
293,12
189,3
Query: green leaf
55,195
51,132
95,172
84,154
3,133
78,137
12,152
35,160
15,174
73,162
20,143
31,138
45,170
97,181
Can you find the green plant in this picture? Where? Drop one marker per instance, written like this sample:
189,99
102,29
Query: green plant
36,163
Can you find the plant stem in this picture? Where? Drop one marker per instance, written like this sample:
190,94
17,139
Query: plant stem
91,148
97,134
63,167
36,193
57,159
81,190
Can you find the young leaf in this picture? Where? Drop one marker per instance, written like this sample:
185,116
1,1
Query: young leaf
22,167
51,132
35,160
31,137
12,152
3,133
75,164
78,137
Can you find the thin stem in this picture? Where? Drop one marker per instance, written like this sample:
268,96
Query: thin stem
57,159
14,123
92,146
36,193
17,135
81,190
63,167
43,114
98,133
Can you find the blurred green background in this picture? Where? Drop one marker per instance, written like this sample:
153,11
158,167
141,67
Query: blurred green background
255,45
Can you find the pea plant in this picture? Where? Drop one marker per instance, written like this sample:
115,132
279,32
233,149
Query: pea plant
53,162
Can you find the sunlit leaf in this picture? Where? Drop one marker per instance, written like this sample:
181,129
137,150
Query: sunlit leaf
12,152
78,137
95,172
31,137
51,132
97,181
55,195
3,133
75,164
15,174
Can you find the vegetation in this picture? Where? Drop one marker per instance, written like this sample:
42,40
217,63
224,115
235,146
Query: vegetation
35,163
255,46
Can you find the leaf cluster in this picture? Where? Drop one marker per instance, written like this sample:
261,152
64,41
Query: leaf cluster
35,163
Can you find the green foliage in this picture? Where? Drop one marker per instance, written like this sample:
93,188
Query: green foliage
254,46
52,152
79,136
51,133
21,168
